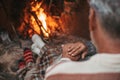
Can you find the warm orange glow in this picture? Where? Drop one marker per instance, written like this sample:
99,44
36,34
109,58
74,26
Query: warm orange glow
42,17
52,23
34,25
38,21
30,32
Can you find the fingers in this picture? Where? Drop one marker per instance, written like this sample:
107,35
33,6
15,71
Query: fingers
70,48
77,50
62,45
84,54
74,51
67,47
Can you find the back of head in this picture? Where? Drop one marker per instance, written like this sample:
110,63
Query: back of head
108,13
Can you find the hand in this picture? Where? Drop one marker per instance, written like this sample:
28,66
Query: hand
74,51
78,48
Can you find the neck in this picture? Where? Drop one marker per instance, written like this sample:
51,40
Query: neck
107,44
103,40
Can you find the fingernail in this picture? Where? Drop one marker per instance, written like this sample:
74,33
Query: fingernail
72,54
68,50
69,53
62,45
83,56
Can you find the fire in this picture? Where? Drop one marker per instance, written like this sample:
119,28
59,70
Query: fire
38,21
34,25
42,17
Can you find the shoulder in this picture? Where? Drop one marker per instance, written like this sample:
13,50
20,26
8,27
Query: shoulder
67,66
58,66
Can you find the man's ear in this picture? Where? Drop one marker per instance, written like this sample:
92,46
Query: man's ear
92,20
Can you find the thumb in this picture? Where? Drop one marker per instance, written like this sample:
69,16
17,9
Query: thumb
84,54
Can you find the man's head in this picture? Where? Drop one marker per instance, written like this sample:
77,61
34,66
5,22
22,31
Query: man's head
104,19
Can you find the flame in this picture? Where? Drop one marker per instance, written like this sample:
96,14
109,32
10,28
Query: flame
39,23
34,25
42,17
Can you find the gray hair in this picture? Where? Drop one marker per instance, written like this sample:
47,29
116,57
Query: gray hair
108,12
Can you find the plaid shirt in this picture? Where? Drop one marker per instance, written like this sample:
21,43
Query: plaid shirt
49,55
